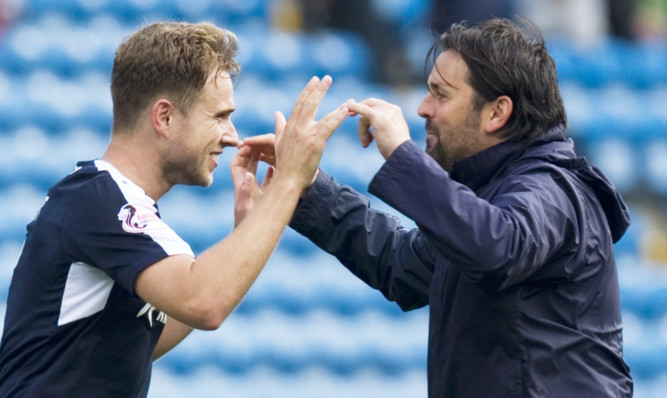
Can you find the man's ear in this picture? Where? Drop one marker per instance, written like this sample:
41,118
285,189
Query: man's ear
162,116
497,113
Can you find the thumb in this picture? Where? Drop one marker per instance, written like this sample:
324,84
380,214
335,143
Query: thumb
248,179
280,124
245,187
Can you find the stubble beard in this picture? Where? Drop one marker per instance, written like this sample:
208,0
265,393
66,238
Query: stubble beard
460,146
186,170
435,149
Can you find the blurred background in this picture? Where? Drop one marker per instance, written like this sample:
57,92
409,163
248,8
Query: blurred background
307,328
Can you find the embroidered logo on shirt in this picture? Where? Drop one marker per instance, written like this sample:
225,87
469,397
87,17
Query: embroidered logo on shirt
148,310
136,220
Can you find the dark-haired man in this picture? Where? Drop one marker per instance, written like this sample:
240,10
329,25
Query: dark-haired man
513,250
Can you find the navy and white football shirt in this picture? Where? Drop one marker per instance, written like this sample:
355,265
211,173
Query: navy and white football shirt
74,325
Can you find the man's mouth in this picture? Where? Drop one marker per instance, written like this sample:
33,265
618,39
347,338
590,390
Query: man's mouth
215,156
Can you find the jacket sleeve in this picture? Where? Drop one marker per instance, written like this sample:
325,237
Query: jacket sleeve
371,244
497,242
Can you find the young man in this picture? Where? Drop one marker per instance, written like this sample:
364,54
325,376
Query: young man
513,251
103,285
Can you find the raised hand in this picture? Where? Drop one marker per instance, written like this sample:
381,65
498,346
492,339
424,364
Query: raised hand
380,121
246,190
299,146
296,148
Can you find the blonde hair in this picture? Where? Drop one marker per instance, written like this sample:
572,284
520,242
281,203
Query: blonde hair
171,59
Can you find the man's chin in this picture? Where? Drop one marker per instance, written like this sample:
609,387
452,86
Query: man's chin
201,181
439,157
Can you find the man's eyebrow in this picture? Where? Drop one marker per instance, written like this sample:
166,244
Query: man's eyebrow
440,86
436,87
433,86
224,113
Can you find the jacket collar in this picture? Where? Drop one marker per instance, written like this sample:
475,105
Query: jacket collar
477,170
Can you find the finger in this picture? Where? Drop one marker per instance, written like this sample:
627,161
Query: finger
362,108
252,165
246,186
267,177
240,162
307,108
243,202
329,123
257,140
280,124
373,102
365,135
262,146
365,121
307,90
349,104
271,160
239,177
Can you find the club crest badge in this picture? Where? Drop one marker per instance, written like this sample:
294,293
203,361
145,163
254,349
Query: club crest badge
137,220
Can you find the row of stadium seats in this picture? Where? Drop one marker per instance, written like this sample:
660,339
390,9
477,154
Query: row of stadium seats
263,382
28,153
70,50
57,43
640,65
138,11
53,102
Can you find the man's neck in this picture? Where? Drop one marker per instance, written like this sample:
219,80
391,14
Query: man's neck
139,162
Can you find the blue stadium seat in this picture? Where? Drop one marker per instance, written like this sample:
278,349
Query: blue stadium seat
292,343
61,46
260,382
618,159
406,14
283,53
646,297
655,158
21,202
10,249
630,244
337,53
139,11
595,65
647,64
31,155
74,9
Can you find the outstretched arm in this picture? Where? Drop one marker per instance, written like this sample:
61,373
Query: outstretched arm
202,292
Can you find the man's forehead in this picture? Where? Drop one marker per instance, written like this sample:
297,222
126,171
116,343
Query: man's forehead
220,79
217,94
449,70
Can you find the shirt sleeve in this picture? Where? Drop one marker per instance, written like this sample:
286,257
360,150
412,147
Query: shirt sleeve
371,244
101,229
498,241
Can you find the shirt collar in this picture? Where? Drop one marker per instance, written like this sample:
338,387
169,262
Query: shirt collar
475,171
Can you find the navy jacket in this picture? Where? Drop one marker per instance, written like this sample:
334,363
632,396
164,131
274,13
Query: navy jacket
513,253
